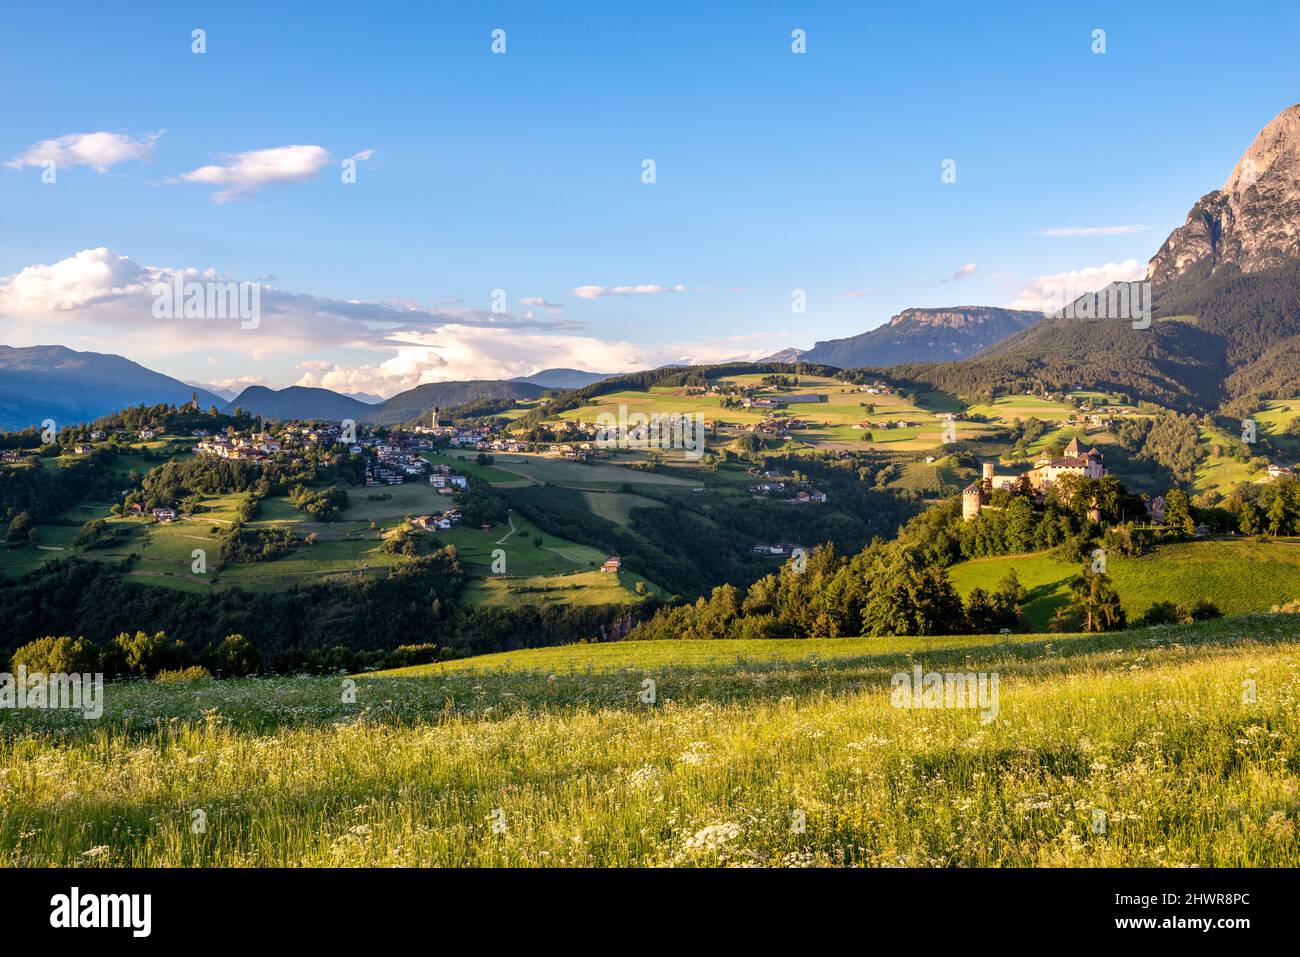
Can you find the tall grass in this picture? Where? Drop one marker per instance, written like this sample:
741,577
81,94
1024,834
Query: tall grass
782,758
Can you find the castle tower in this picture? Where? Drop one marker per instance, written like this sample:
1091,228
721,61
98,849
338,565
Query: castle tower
972,500
988,476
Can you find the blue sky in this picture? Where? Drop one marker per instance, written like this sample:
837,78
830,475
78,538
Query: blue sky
522,171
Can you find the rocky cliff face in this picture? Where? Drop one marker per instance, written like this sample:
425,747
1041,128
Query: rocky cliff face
1253,222
924,335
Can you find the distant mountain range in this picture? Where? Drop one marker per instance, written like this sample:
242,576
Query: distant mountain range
924,335
54,382
420,401
300,402
785,355
563,378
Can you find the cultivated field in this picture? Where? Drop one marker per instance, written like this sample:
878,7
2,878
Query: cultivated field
1167,747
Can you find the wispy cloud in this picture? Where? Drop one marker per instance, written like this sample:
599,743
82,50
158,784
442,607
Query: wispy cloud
540,302
100,151
1049,293
1092,230
246,173
962,273
596,292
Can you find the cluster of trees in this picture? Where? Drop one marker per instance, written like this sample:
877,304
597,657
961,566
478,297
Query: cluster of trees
481,504
1272,509
409,542
1169,439
97,533
1026,432
323,505
45,490
146,655
885,589
240,544
165,416
138,655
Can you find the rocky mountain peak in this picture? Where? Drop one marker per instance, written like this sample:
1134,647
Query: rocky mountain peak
1253,222
953,317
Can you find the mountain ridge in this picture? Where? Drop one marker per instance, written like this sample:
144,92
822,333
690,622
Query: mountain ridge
924,334
55,382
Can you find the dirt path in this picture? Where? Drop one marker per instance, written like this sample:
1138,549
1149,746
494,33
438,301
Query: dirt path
511,519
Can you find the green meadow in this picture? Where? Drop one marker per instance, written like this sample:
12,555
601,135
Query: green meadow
1239,576
1182,742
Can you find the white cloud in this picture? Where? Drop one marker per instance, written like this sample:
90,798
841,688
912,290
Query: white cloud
99,151
457,352
1093,230
1050,293
229,388
246,173
92,275
596,292
103,301
962,273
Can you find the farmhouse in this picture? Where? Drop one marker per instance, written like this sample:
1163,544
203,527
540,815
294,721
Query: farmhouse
612,564
164,514
803,497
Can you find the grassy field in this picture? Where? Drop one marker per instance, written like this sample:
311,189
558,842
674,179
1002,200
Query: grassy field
464,462
767,754
579,588
1217,475
1010,407
1273,419
600,476
829,424
1238,576
349,547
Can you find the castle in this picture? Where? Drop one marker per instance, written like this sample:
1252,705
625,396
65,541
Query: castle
1076,459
